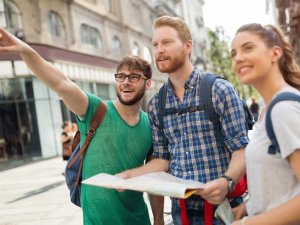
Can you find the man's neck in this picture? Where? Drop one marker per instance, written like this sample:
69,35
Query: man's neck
129,113
179,77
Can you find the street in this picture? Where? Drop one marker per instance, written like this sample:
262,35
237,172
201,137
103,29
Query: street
36,193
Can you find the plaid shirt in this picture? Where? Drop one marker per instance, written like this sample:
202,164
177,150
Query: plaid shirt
188,140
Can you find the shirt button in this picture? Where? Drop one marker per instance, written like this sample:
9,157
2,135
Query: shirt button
186,153
189,172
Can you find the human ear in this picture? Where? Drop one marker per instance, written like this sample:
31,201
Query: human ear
188,46
148,84
276,53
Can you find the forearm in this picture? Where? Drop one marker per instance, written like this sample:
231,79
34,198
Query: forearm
72,96
43,70
237,165
157,206
155,165
286,214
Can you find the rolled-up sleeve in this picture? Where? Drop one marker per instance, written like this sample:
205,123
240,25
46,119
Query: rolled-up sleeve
160,142
229,106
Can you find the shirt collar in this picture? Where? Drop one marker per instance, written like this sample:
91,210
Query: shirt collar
191,82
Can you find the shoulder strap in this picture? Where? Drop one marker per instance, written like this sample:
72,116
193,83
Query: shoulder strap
206,84
285,96
97,119
249,116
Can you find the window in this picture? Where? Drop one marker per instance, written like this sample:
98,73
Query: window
12,15
116,46
85,86
2,14
56,26
103,91
135,49
90,36
147,54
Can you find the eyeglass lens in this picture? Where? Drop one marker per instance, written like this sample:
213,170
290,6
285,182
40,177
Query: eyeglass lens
131,77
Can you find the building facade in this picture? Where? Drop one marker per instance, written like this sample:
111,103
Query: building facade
85,39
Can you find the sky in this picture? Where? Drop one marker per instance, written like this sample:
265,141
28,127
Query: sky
231,14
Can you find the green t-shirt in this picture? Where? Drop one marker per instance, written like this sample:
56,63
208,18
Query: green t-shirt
115,147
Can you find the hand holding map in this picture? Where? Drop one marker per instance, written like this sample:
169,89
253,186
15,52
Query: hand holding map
160,183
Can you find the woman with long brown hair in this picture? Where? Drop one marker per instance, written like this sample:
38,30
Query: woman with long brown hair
263,58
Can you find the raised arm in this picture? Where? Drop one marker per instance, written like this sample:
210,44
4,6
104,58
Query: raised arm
74,98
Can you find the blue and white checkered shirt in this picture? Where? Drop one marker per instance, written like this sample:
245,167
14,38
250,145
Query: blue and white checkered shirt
188,140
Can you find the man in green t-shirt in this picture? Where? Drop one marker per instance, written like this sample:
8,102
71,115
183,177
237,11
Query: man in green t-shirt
121,142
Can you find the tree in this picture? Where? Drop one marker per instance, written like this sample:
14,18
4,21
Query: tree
219,55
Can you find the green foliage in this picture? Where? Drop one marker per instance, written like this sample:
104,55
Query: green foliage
219,54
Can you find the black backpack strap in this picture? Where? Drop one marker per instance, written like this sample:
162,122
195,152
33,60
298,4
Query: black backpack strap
162,111
285,96
249,117
206,84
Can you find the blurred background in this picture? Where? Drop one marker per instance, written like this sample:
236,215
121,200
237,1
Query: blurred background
86,38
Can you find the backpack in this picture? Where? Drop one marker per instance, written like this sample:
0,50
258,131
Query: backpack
284,96
73,169
207,105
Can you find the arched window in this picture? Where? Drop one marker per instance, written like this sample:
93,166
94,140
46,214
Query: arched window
90,36
12,15
147,54
116,46
135,49
56,25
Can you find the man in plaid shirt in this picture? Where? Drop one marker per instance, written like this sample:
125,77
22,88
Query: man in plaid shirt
186,147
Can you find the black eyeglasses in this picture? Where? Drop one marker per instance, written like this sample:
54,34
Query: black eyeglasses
121,77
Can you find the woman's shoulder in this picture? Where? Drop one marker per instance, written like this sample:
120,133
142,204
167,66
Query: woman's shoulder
287,105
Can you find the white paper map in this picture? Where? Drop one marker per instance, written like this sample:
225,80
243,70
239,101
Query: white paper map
160,183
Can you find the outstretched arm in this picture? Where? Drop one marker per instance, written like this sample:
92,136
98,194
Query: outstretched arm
74,98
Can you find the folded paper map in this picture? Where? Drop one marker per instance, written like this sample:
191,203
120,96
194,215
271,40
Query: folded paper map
160,183
224,212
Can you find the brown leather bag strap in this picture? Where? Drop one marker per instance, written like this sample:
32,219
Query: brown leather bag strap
97,119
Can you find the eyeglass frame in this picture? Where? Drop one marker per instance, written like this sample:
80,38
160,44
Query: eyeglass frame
128,76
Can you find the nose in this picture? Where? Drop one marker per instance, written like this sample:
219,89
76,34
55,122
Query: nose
158,49
238,57
126,80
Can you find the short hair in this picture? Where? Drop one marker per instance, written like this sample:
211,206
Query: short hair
177,23
132,62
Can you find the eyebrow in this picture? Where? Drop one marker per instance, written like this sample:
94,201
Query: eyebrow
243,45
246,43
164,39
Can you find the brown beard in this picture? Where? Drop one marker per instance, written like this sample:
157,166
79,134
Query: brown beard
135,99
176,62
